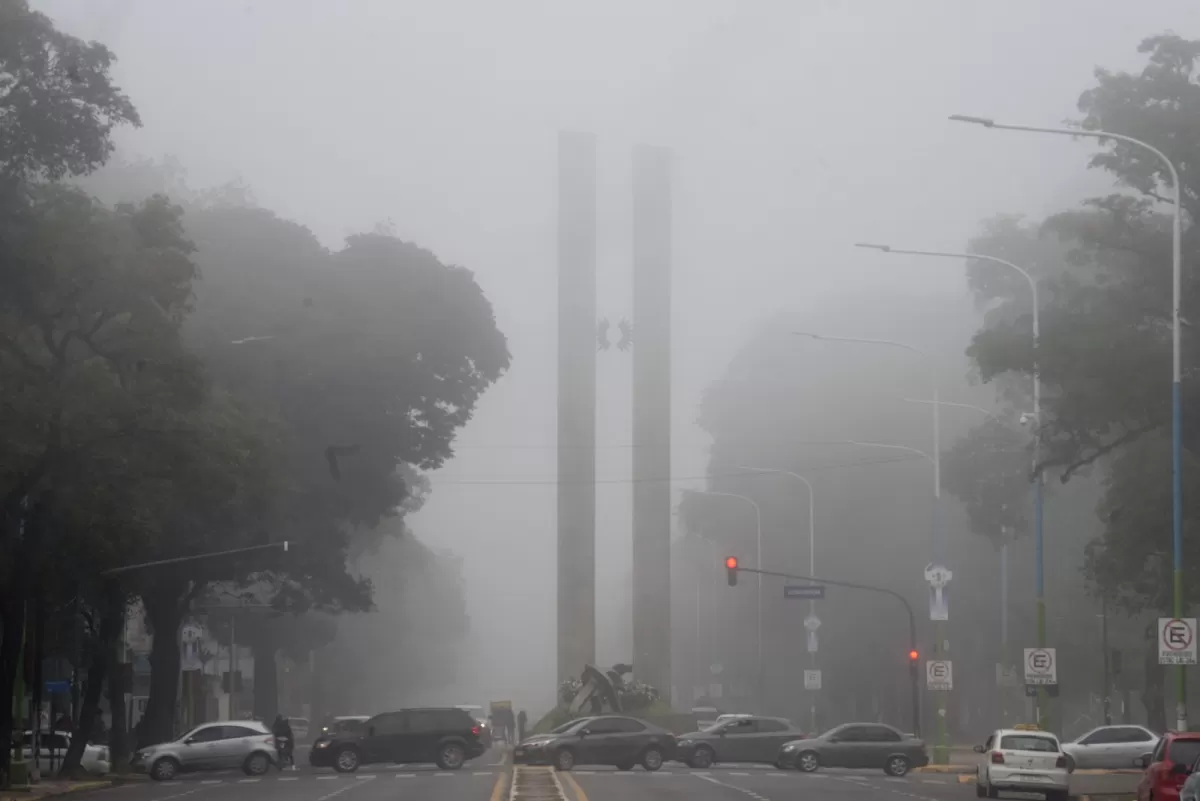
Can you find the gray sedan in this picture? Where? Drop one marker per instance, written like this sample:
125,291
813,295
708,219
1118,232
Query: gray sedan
746,738
1111,747
857,745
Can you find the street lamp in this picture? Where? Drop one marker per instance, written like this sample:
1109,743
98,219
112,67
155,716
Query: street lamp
759,565
936,458
812,559
1176,394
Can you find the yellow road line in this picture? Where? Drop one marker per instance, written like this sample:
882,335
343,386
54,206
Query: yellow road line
578,792
498,787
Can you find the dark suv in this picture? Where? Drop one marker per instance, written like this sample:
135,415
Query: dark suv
446,736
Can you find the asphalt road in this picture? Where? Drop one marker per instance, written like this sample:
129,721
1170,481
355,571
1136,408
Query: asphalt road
486,779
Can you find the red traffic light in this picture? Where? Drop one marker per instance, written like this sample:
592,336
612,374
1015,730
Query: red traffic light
731,570
731,562
913,656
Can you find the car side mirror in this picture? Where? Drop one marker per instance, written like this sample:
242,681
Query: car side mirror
190,741
1142,762
979,749
1181,769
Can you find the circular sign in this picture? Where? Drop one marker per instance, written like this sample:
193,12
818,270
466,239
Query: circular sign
812,622
1177,635
938,575
1041,661
938,670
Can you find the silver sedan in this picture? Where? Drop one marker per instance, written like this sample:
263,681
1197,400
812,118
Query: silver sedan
1110,747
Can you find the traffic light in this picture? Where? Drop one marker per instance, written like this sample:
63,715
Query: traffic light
913,656
731,569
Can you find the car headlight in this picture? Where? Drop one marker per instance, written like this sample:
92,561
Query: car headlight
684,743
321,744
791,747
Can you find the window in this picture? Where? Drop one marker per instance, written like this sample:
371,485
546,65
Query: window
234,732
882,734
988,745
627,725
1028,742
1132,734
853,734
1101,737
769,725
741,726
1183,751
431,720
1159,750
602,726
570,724
208,734
385,724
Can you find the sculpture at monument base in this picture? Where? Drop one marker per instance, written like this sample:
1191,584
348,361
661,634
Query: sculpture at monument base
608,692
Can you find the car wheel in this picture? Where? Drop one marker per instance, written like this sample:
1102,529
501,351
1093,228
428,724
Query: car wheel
652,759
164,769
701,758
808,762
1057,795
451,756
346,761
625,766
564,759
256,764
896,766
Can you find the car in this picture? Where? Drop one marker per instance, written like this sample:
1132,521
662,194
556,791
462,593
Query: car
447,736
245,744
529,750
856,745
1025,761
741,739
52,747
1109,747
615,740
333,728
1168,766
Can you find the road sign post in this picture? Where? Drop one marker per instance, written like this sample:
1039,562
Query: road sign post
1041,666
812,679
939,675
811,591
1177,641
938,577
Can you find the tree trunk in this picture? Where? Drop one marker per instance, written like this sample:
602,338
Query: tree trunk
114,652
110,630
266,676
38,657
164,609
1152,691
12,625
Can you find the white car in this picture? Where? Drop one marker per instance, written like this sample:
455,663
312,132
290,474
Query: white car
52,747
1024,761
1110,746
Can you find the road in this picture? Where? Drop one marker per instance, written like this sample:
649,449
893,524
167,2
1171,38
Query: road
486,779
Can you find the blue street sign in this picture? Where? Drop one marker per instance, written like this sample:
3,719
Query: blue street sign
54,687
804,591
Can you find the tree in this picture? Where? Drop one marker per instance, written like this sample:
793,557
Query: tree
90,351
58,105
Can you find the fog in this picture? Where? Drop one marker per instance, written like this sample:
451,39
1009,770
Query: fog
796,129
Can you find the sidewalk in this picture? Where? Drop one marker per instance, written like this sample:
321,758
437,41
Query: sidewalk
53,787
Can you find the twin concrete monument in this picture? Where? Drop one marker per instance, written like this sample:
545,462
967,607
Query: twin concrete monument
651,348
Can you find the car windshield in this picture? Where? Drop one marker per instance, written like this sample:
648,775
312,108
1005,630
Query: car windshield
1027,742
566,727
1184,752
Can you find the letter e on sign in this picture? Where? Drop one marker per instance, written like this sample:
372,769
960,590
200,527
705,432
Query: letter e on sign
1177,641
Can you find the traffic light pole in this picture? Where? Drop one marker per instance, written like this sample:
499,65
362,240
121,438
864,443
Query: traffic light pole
734,568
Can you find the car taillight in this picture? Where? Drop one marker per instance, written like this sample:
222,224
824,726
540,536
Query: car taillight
1061,762
997,758
476,730
269,740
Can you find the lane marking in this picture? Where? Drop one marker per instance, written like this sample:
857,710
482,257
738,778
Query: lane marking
248,781
443,773
576,790
365,776
776,774
340,790
211,781
742,790
406,775
328,778
289,778
181,795
732,773
498,787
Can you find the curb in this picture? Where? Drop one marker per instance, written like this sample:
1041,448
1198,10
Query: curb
962,770
31,791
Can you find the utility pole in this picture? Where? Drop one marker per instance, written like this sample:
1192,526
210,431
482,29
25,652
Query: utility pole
1104,645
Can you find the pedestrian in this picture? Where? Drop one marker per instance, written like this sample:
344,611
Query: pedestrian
522,721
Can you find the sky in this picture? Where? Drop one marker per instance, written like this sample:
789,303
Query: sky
796,129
